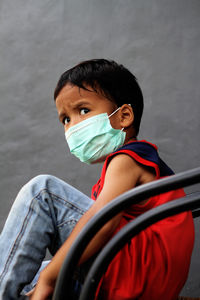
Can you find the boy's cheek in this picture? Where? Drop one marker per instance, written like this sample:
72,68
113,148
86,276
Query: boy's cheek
115,123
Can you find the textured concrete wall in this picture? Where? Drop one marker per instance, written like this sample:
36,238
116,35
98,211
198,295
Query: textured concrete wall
159,41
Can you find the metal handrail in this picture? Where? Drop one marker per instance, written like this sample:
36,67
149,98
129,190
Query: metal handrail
134,227
134,196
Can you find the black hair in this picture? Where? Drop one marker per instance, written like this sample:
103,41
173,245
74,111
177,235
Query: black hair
112,80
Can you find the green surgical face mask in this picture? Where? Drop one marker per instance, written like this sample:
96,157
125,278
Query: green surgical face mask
94,138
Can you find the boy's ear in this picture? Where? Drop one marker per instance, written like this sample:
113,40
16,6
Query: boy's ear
127,116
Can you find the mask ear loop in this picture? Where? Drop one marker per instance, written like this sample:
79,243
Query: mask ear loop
114,112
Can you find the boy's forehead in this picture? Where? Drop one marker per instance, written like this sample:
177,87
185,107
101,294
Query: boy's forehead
71,94
68,95
68,91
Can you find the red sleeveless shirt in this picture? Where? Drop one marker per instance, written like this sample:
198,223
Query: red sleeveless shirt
153,265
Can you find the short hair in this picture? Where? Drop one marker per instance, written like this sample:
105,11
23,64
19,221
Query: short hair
110,79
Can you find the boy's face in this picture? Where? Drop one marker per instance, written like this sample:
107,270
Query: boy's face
75,105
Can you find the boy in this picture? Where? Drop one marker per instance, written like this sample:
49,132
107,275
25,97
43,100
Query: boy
100,105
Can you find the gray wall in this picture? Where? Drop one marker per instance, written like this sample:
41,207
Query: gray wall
159,41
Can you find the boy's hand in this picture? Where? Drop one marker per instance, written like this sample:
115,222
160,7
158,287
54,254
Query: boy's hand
41,293
44,288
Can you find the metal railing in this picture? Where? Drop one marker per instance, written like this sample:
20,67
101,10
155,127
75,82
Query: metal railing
134,196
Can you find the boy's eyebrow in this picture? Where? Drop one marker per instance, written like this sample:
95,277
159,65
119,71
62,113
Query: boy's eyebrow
80,102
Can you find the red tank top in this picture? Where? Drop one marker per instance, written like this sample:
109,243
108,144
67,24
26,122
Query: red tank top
153,265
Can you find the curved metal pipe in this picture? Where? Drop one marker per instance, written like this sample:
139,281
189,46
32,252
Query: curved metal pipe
150,217
122,202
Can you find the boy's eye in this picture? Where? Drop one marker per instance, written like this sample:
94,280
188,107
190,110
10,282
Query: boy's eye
84,111
66,120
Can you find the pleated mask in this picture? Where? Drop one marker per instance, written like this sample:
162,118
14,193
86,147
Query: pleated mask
94,138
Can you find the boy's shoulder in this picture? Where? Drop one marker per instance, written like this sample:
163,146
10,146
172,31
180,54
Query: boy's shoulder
138,153
145,154
122,174
125,169
138,161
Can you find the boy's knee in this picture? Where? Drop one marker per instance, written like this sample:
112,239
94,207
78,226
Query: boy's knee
41,180
34,189
37,184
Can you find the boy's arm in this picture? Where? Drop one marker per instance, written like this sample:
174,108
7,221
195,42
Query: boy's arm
122,174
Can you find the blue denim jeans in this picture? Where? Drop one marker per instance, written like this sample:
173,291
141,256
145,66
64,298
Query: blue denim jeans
42,217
